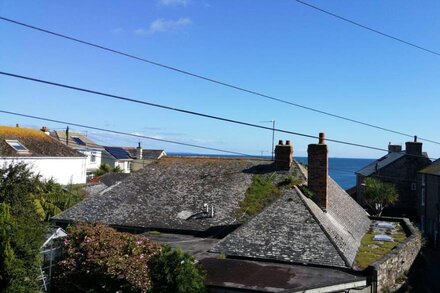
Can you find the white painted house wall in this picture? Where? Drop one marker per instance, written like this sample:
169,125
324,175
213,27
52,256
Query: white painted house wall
112,162
64,170
92,164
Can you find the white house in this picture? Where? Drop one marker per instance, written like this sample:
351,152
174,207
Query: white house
43,154
82,144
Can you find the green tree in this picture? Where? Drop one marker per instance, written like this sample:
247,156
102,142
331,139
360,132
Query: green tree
175,271
379,195
21,230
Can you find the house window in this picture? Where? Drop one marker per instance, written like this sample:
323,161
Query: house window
422,223
413,186
93,157
16,145
423,196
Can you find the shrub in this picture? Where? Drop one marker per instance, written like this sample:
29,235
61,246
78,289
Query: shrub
175,271
98,258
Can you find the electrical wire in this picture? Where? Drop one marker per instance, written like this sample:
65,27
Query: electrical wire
123,133
170,141
215,81
369,28
185,111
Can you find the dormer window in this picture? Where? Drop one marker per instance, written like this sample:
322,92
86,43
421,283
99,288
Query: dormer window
78,140
16,145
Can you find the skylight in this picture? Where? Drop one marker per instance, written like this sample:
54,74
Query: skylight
78,140
16,145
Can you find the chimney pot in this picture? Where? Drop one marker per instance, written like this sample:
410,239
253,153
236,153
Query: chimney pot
415,138
283,155
321,138
280,142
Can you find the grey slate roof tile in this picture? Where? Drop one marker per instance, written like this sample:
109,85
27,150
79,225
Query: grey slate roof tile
285,231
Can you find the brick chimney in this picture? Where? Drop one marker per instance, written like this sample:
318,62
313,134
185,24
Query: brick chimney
413,147
318,171
283,155
394,148
45,130
139,152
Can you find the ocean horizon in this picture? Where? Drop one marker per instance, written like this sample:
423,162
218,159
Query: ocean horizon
342,170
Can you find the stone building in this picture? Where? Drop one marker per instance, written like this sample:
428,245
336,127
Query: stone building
400,169
429,202
305,237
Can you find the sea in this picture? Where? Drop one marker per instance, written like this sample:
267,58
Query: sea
342,170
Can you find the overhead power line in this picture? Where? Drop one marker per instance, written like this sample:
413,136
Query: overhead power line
369,28
184,111
124,133
212,80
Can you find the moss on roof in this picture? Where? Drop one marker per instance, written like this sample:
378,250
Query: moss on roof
37,142
22,132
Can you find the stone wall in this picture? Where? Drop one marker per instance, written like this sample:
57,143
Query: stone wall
389,272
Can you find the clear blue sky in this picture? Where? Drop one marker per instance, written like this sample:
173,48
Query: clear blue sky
281,48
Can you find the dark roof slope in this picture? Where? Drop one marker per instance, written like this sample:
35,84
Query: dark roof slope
165,193
118,153
37,142
345,221
294,229
86,141
286,231
380,163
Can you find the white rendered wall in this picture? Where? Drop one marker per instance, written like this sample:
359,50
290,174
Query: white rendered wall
91,166
62,170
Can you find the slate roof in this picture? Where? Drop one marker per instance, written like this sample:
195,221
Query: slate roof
118,153
433,169
76,144
286,231
147,154
380,163
36,142
294,229
165,193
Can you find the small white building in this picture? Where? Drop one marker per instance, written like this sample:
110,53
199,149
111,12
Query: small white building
82,144
43,154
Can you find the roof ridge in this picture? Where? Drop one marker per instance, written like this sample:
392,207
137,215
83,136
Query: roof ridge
341,254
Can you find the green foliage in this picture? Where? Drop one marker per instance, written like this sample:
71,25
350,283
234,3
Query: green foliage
379,195
117,169
98,258
176,271
105,168
306,191
260,193
52,198
21,231
289,182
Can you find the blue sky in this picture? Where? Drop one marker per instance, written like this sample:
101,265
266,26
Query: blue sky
280,48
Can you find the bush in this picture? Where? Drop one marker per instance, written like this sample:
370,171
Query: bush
98,258
175,271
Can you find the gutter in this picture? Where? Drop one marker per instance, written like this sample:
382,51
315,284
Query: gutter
337,288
